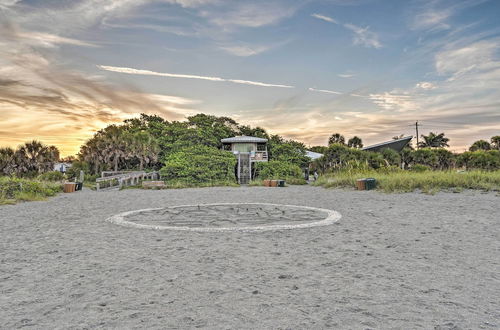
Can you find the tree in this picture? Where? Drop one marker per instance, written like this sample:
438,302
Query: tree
318,149
144,147
484,160
355,142
336,138
6,161
480,145
287,151
116,145
35,157
425,156
434,140
495,142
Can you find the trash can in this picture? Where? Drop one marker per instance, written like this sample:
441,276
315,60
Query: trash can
371,183
267,183
79,186
281,183
69,187
274,183
361,184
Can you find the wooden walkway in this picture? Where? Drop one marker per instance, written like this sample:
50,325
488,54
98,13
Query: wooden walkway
117,180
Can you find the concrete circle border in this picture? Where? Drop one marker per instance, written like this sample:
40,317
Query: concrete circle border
332,217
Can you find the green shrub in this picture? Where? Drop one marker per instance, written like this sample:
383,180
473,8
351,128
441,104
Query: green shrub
484,160
51,176
419,168
391,156
200,164
12,189
277,170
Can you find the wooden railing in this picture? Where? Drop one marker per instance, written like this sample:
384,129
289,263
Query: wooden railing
121,179
259,156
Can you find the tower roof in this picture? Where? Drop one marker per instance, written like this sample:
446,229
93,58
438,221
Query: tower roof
243,139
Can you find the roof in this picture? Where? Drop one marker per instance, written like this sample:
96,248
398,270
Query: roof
313,155
396,145
244,139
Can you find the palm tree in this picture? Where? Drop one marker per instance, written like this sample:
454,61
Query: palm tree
480,145
115,146
336,138
92,152
36,156
144,147
6,160
434,140
355,142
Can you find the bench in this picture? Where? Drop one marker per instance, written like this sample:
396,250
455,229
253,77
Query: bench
153,184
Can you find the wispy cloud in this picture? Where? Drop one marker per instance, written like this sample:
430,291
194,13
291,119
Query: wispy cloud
250,13
436,15
362,35
393,101
345,75
324,91
245,50
434,20
40,97
13,33
188,76
426,85
325,18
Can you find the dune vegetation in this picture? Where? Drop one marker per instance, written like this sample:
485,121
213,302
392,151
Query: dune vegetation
13,190
188,154
407,181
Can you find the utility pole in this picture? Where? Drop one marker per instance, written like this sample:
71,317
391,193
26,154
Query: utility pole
416,130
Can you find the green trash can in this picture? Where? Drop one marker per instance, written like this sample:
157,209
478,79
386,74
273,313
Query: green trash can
281,183
371,183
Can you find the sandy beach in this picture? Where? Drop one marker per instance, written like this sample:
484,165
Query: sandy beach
393,261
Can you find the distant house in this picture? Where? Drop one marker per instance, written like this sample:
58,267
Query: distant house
396,145
61,167
247,149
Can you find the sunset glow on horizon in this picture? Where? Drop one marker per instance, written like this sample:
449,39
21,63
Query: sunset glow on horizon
300,68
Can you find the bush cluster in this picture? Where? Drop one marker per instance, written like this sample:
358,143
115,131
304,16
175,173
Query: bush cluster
340,157
199,164
12,189
276,169
51,176
408,181
484,160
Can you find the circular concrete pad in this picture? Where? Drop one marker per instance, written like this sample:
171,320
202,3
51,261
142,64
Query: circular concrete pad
227,217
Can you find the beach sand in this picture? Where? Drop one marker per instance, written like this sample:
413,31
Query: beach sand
393,261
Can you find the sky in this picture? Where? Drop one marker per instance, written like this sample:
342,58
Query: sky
303,69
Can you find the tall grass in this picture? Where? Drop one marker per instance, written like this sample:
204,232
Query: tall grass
288,182
406,181
14,189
